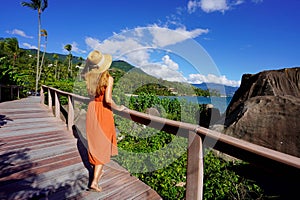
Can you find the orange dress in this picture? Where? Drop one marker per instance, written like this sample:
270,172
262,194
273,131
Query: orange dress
100,132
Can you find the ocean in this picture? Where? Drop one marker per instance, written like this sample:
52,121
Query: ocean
218,102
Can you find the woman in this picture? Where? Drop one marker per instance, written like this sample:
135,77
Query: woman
100,127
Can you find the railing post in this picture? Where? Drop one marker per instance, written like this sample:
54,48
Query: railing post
42,96
49,99
195,171
11,93
18,92
57,105
70,112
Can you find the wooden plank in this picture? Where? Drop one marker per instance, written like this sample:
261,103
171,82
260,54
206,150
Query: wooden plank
149,194
35,120
29,125
36,169
37,146
34,115
22,171
47,183
117,186
42,159
20,110
36,143
32,131
23,137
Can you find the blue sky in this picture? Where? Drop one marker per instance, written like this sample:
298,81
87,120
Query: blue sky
194,41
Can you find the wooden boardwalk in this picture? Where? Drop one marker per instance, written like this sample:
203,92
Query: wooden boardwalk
41,159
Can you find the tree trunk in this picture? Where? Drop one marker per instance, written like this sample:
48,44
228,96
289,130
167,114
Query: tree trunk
42,62
38,54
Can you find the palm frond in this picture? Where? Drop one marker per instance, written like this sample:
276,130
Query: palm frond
44,5
30,5
36,4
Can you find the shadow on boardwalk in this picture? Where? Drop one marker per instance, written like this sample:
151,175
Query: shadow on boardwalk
41,159
81,146
21,180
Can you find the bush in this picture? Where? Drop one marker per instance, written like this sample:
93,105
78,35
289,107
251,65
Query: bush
160,159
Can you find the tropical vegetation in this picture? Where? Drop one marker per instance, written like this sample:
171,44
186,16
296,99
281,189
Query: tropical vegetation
160,159
155,157
39,6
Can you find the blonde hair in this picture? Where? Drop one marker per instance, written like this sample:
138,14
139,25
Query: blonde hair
96,83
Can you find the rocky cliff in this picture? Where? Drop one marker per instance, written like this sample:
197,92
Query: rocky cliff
265,110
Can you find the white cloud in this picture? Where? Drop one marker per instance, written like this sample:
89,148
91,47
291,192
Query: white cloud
134,45
139,45
164,72
167,70
29,46
163,37
19,32
92,42
75,48
214,5
192,6
152,36
170,63
211,78
238,2
257,1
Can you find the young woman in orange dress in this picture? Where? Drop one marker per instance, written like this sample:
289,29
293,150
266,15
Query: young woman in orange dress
100,126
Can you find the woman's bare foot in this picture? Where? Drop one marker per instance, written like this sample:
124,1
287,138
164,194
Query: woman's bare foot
95,188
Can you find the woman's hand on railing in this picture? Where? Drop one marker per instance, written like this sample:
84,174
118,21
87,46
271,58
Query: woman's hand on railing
121,108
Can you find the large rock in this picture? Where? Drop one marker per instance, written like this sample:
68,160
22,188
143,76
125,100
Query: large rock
265,110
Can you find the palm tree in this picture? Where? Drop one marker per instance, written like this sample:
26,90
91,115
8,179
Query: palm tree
80,66
40,6
11,46
68,47
55,56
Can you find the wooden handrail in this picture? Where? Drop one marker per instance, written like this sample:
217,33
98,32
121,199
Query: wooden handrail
255,154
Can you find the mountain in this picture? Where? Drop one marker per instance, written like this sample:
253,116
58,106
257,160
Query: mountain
126,67
122,65
61,57
224,90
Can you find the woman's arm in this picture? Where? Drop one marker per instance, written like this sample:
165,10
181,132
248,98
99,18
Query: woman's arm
108,96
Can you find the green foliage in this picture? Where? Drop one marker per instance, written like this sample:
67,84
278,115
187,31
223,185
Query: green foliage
157,158
205,93
15,66
135,81
221,182
18,67
154,88
121,65
160,159
174,109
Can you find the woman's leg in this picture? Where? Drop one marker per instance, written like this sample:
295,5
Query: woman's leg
97,175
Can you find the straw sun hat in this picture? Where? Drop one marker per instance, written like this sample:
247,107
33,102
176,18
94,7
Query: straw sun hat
97,62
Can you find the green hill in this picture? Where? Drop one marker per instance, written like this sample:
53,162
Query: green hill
49,56
131,79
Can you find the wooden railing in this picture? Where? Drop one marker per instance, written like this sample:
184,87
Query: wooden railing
258,155
13,91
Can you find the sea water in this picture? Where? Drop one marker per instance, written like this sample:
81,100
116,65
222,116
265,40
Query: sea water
218,102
